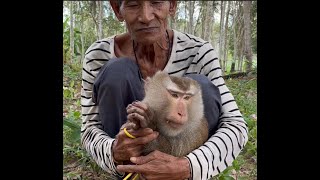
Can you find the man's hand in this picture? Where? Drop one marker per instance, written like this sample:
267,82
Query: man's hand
124,147
158,165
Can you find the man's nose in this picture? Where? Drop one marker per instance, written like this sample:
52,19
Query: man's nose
146,13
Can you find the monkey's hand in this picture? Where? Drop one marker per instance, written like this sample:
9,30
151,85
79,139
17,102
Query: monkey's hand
124,147
139,114
158,165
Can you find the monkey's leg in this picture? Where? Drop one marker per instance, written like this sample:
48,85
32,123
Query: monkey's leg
211,100
117,85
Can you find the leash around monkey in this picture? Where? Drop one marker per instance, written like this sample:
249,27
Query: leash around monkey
132,137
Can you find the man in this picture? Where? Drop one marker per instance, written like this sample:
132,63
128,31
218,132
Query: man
113,73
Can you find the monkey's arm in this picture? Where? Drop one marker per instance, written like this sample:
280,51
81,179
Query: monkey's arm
225,145
95,141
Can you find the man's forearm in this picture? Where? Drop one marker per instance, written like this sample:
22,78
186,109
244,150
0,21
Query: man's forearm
184,165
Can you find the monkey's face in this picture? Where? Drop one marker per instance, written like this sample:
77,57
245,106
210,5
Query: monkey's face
176,113
176,102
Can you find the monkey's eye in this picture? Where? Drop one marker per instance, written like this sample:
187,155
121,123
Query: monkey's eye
186,97
174,95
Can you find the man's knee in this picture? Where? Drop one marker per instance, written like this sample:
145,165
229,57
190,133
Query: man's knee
118,62
120,65
115,75
117,70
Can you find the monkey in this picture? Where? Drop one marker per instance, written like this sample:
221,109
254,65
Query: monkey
176,111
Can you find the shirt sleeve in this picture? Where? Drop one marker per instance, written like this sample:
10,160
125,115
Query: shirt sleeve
93,139
221,149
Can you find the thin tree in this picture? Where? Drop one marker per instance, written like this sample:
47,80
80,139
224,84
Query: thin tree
240,38
225,52
209,20
221,38
203,19
247,34
100,19
82,31
185,17
235,44
199,19
71,32
191,12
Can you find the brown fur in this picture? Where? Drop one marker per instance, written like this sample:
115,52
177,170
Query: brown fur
195,130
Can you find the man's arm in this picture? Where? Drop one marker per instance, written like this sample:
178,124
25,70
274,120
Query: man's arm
232,134
95,141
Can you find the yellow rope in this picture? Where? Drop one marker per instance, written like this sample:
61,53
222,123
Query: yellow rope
130,136
135,177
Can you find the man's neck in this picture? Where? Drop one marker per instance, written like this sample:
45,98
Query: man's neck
149,57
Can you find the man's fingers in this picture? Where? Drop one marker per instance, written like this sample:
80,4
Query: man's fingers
140,132
145,139
142,159
130,168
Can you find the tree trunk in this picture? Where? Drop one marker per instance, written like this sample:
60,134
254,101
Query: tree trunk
203,19
82,34
198,20
241,56
191,11
93,12
209,21
221,40
71,33
235,44
225,54
212,7
247,34
240,33
100,19
185,29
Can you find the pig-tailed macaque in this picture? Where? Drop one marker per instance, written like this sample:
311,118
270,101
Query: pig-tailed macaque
175,110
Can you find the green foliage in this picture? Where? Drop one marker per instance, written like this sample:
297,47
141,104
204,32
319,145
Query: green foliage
72,122
244,166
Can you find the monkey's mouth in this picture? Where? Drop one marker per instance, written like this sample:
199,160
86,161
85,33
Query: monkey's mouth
174,124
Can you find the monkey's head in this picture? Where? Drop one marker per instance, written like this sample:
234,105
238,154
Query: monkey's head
176,102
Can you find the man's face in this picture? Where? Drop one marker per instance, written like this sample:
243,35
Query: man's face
146,20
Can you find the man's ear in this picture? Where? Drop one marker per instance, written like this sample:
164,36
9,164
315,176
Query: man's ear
173,7
116,9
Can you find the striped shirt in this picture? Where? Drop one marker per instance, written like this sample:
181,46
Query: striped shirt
190,55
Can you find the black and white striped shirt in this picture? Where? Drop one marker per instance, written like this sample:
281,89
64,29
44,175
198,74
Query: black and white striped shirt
189,55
